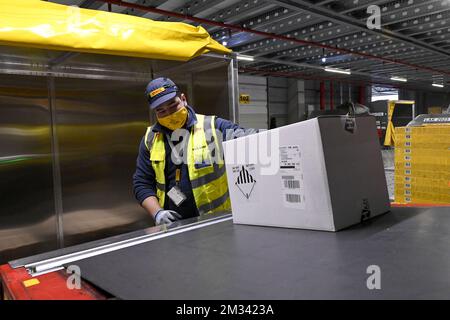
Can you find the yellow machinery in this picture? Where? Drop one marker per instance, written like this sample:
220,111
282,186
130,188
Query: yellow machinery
434,110
400,113
422,161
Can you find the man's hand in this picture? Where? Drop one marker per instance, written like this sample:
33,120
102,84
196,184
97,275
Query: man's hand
166,216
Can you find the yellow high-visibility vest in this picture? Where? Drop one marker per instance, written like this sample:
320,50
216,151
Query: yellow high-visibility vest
208,176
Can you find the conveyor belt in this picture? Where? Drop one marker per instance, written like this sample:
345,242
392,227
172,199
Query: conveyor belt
226,261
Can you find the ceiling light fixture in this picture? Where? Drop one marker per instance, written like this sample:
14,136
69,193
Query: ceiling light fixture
399,79
338,70
245,58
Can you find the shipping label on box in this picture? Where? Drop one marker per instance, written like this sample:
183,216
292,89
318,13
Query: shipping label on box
291,173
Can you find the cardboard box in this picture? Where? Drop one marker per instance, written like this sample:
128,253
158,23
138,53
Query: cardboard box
324,174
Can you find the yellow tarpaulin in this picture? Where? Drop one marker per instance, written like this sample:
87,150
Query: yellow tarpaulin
39,24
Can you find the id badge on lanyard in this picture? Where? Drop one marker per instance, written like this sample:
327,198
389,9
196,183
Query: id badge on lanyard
175,194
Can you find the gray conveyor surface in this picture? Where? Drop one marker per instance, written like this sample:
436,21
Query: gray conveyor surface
227,261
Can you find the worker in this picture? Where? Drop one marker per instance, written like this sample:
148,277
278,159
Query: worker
180,171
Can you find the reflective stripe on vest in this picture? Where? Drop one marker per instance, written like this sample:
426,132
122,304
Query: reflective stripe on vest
205,165
154,142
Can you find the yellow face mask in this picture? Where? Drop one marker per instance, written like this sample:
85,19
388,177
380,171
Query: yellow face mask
175,120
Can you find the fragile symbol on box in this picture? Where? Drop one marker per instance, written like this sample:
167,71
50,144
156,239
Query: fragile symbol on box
245,182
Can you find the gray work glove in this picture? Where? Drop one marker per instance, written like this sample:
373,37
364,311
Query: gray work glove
166,216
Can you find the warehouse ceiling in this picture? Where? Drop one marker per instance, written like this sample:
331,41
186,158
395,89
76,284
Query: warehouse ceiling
305,38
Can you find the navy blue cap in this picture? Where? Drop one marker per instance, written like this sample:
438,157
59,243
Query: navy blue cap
160,90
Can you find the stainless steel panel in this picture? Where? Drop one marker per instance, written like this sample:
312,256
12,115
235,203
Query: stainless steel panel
32,61
27,221
211,92
99,115
233,95
99,127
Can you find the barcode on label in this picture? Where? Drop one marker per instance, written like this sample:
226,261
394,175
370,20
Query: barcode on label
292,184
293,198
288,177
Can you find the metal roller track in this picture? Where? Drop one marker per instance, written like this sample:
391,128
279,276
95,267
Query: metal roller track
56,263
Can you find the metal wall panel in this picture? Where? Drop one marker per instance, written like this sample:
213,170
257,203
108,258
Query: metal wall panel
99,127
254,114
278,100
296,101
211,92
27,213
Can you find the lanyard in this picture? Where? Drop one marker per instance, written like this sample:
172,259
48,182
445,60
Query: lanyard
177,176
180,158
